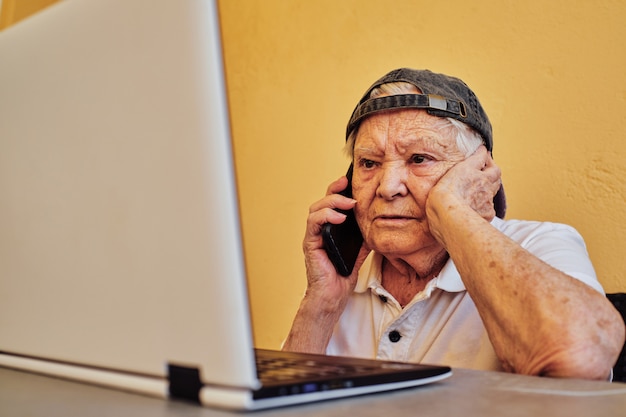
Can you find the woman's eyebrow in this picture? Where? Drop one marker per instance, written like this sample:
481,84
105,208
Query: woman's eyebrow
368,150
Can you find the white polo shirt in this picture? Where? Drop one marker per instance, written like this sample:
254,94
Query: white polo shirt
441,325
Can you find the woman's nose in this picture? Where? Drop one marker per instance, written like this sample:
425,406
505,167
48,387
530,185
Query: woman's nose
392,182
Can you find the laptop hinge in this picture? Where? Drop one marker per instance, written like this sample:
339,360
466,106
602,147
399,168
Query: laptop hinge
184,383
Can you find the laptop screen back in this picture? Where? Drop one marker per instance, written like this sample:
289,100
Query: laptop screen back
119,232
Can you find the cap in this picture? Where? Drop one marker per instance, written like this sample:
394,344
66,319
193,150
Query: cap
441,95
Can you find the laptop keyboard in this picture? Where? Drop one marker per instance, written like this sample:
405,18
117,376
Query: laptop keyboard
288,373
275,369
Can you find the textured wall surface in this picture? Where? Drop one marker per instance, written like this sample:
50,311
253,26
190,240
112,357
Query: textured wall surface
550,75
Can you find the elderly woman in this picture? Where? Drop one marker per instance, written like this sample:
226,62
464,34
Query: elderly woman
441,278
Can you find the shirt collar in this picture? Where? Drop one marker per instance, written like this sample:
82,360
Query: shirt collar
370,276
449,279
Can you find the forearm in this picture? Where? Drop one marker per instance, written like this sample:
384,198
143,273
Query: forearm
312,328
540,320
327,292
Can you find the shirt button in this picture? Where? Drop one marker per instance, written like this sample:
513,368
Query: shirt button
382,298
394,336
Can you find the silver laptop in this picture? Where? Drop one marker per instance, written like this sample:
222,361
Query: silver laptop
121,260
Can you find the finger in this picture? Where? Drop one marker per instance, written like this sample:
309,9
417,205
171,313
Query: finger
493,171
337,185
319,218
334,201
480,158
315,222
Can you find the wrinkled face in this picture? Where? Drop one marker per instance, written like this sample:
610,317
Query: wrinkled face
398,157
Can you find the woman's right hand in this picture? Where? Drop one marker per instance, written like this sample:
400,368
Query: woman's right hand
327,292
325,285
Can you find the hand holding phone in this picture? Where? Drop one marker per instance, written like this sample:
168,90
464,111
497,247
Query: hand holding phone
343,241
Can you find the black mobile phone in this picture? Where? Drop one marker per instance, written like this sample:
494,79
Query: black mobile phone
342,242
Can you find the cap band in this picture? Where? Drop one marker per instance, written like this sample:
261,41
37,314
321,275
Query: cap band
414,101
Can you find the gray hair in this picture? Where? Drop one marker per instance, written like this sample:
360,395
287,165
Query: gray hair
467,139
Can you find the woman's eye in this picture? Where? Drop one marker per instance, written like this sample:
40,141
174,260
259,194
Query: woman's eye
418,159
366,163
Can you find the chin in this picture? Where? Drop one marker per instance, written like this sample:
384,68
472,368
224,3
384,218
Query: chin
399,244
392,247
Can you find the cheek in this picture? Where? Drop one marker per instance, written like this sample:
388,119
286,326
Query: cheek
364,196
361,210
419,187
360,193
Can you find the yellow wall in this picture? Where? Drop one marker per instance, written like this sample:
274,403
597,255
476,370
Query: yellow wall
13,11
550,74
